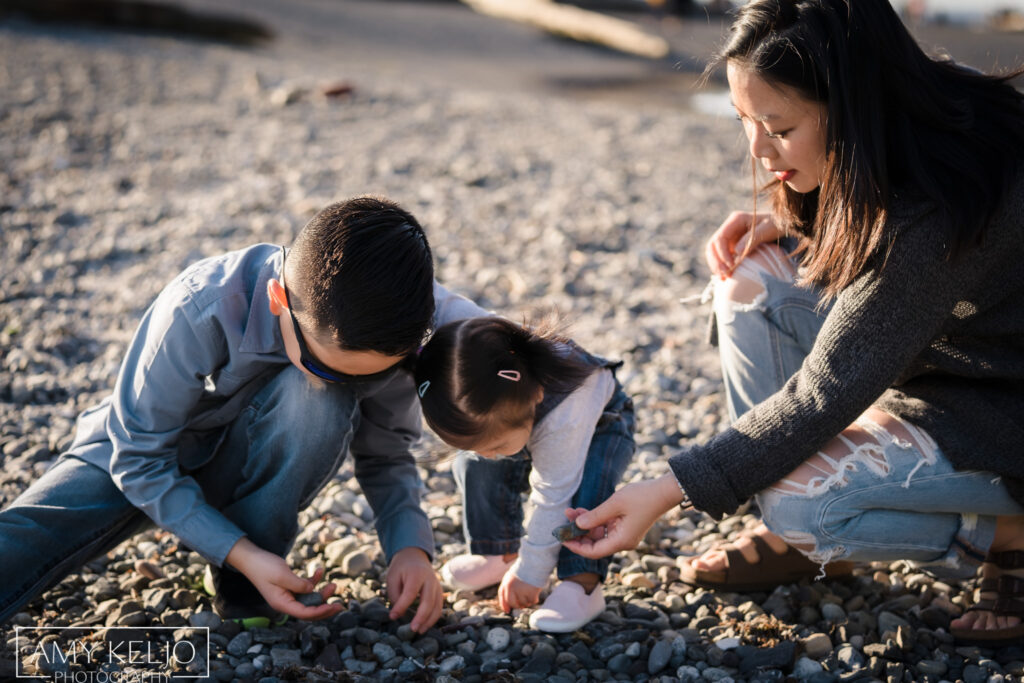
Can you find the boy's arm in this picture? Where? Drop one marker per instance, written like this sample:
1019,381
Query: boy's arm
160,381
449,306
389,425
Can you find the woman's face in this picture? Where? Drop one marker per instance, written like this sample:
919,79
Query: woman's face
786,131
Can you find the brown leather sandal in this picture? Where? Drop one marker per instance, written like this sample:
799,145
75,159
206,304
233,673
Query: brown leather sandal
771,570
1008,601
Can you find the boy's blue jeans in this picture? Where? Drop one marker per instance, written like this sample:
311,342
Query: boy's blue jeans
492,500
74,512
887,500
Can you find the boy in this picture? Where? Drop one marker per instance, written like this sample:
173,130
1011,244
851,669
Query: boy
247,381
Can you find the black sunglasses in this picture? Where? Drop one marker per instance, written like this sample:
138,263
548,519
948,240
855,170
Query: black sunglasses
311,363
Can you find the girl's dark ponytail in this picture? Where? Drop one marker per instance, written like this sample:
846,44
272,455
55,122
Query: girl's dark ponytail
479,373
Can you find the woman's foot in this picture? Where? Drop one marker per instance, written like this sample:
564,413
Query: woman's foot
716,560
981,619
569,607
476,572
758,561
998,613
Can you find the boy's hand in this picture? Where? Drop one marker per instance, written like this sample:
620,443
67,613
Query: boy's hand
277,583
514,593
410,574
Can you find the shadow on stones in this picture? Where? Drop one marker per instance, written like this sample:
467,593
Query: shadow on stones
128,15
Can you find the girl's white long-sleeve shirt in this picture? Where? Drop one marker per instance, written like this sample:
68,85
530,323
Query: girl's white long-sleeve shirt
558,447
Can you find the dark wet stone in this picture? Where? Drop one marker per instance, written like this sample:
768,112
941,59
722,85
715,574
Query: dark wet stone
375,610
285,657
620,663
541,661
931,667
272,636
240,644
310,599
706,622
776,657
366,636
428,646
640,610
659,656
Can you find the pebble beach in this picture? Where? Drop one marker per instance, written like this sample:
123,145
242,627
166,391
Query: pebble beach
126,157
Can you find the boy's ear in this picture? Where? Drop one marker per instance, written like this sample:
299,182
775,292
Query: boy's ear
276,295
540,395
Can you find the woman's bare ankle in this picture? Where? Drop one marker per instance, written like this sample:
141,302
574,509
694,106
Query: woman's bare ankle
1009,533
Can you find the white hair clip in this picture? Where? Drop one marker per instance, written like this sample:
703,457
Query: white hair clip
423,388
512,375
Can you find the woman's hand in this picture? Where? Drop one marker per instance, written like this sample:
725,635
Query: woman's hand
622,521
514,593
729,242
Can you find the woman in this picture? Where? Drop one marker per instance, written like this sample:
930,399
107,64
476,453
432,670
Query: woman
878,391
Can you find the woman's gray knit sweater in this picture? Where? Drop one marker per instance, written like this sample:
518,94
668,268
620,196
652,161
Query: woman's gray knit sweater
936,342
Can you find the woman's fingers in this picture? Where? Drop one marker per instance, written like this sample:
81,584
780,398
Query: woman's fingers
721,250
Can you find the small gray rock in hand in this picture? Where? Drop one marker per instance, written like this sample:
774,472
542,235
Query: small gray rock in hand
567,532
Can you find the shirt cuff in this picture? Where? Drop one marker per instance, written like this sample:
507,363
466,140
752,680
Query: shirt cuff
209,533
405,531
534,565
708,490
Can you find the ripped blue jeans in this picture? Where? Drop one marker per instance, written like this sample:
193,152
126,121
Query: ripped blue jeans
882,489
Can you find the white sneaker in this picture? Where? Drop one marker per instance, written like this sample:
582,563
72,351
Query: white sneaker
567,608
474,572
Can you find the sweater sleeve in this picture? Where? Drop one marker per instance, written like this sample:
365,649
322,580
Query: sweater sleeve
879,324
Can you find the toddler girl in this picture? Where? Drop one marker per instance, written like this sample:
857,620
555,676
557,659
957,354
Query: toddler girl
539,412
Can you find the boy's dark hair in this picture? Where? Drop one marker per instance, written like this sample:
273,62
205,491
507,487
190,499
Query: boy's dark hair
361,274
898,122
467,401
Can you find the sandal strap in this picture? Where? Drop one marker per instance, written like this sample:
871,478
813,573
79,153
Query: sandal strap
1009,600
1008,606
763,549
982,606
1010,586
1008,559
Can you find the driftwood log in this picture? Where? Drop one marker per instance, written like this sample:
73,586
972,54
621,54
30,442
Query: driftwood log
576,23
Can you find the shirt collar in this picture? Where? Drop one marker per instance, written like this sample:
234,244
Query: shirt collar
262,330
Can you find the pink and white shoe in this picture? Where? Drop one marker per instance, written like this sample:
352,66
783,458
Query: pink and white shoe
567,608
474,572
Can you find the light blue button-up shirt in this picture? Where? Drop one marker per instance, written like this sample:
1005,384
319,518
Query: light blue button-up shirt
191,366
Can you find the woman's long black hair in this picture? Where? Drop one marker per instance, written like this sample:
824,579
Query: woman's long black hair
898,122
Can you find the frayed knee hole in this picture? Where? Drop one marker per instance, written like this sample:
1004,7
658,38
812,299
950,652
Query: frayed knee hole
740,290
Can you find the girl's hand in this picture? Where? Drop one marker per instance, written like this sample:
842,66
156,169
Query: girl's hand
622,521
410,575
514,593
724,250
